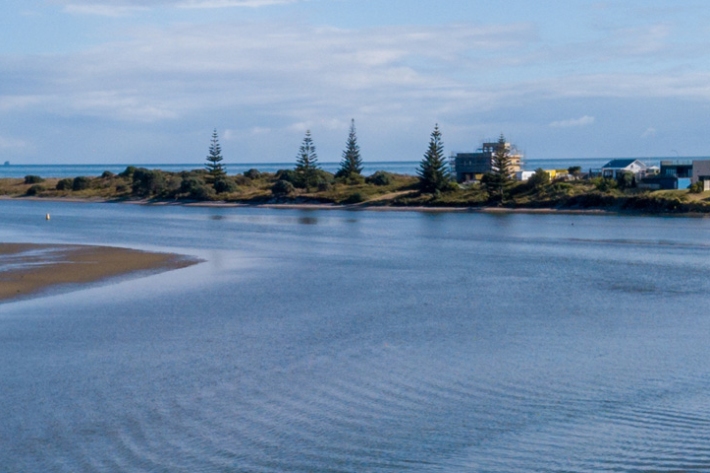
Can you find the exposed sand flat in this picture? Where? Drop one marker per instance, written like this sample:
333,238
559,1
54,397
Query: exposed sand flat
27,269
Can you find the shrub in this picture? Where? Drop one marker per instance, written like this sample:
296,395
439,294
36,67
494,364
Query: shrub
33,179
697,188
288,175
241,180
80,183
196,188
107,175
603,184
380,178
252,174
282,187
35,189
147,182
224,184
354,180
355,198
539,179
626,180
65,184
128,172
574,170
324,186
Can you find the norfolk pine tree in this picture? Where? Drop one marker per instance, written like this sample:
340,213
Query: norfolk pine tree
501,173
351,163
307,162
215,169
433,171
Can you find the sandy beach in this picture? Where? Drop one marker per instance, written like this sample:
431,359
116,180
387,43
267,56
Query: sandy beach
27,269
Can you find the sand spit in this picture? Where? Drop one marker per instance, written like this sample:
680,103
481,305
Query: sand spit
29,269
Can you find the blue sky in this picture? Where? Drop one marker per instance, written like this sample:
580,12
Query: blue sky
146,81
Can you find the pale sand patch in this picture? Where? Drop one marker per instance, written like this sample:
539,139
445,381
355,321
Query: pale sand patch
27,269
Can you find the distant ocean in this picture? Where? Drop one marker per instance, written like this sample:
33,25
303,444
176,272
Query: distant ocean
398,167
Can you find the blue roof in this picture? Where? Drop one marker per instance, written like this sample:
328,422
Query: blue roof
618,163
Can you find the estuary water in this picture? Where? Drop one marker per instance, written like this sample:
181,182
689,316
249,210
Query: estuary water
336,341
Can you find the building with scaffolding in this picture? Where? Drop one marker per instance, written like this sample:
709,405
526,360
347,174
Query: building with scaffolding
472,166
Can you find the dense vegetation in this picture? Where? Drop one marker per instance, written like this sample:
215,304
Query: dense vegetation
381,188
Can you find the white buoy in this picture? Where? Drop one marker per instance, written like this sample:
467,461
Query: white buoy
47,217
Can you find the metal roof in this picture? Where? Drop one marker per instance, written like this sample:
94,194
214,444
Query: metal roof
620,163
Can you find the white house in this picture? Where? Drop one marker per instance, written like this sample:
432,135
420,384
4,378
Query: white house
613,168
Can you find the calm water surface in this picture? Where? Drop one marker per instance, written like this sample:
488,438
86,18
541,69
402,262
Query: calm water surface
329,341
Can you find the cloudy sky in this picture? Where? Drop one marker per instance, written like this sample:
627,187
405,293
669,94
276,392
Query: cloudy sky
146,81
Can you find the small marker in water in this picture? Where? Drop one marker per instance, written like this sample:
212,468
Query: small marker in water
47,217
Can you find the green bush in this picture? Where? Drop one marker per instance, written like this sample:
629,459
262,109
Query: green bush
252,174
282,187
107,175
224,184
354,180
288,175
148,182
35,189
539,179
356,198
80,183
380,178
626,180
195,188
65,184
324,186
603,184
128,172
31,179
697,188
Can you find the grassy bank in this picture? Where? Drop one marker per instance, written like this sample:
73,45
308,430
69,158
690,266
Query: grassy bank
381,189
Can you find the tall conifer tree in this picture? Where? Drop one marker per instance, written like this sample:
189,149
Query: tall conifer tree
215,169
501,173
433,171
351,163
307,162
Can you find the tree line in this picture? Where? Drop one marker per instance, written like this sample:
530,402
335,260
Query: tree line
433,171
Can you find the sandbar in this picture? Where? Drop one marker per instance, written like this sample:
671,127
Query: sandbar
30,269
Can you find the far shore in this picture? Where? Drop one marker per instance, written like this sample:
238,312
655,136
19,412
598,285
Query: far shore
31,269
364,206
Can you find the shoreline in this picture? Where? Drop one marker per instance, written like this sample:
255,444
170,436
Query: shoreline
365,207
28,270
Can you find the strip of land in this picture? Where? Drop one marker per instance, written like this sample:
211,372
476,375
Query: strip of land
571,193
29,269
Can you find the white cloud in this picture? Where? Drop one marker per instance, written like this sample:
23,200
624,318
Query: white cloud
575,122
123,7
649,133
102,10
293,71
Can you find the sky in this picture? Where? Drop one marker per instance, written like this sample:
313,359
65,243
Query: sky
146,81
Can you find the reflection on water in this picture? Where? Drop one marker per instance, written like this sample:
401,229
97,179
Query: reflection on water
448,342
307,220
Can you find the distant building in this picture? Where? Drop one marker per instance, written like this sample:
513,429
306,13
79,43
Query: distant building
615,167
679,174
472,166
676,174
701,172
